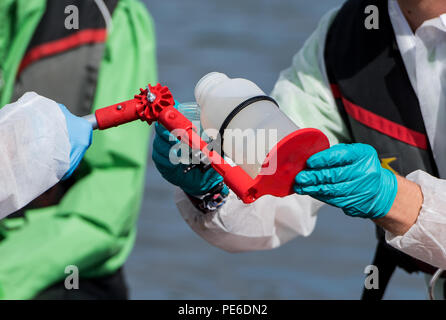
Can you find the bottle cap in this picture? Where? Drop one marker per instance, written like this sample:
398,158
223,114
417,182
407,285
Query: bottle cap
207,83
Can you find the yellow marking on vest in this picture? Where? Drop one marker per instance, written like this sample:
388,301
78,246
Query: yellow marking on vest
385,163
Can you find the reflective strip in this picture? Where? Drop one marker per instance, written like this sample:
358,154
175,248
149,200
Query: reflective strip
381,124
72,41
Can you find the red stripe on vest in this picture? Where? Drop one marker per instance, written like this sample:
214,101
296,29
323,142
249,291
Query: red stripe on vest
54,47
381,124
336,92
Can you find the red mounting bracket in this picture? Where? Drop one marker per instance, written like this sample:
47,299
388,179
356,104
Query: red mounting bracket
288,157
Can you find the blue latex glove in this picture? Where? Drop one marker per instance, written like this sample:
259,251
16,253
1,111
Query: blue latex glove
80,134
349,176
193,182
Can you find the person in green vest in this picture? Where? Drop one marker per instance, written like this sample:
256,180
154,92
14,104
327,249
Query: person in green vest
84,55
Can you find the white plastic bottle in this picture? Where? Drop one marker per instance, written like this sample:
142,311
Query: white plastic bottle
261,124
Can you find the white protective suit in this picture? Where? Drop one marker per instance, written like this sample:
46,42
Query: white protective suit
304,94
34,150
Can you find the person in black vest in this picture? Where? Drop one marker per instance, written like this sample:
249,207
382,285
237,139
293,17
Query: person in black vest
78,234
372,77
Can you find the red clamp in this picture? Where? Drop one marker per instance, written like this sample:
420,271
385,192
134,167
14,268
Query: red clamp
289,155
138,108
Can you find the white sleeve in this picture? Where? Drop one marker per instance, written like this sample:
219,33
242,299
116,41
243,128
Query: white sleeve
265,224
304,95
34,150
303,90
426,239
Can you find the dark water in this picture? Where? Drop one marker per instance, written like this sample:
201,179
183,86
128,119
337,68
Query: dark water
254,39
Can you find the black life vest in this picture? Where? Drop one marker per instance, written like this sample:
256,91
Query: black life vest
376,99
63,64
62,61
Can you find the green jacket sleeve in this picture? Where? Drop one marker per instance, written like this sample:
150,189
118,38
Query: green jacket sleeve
93,227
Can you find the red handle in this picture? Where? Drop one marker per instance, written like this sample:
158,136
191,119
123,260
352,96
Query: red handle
117,114
235,177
